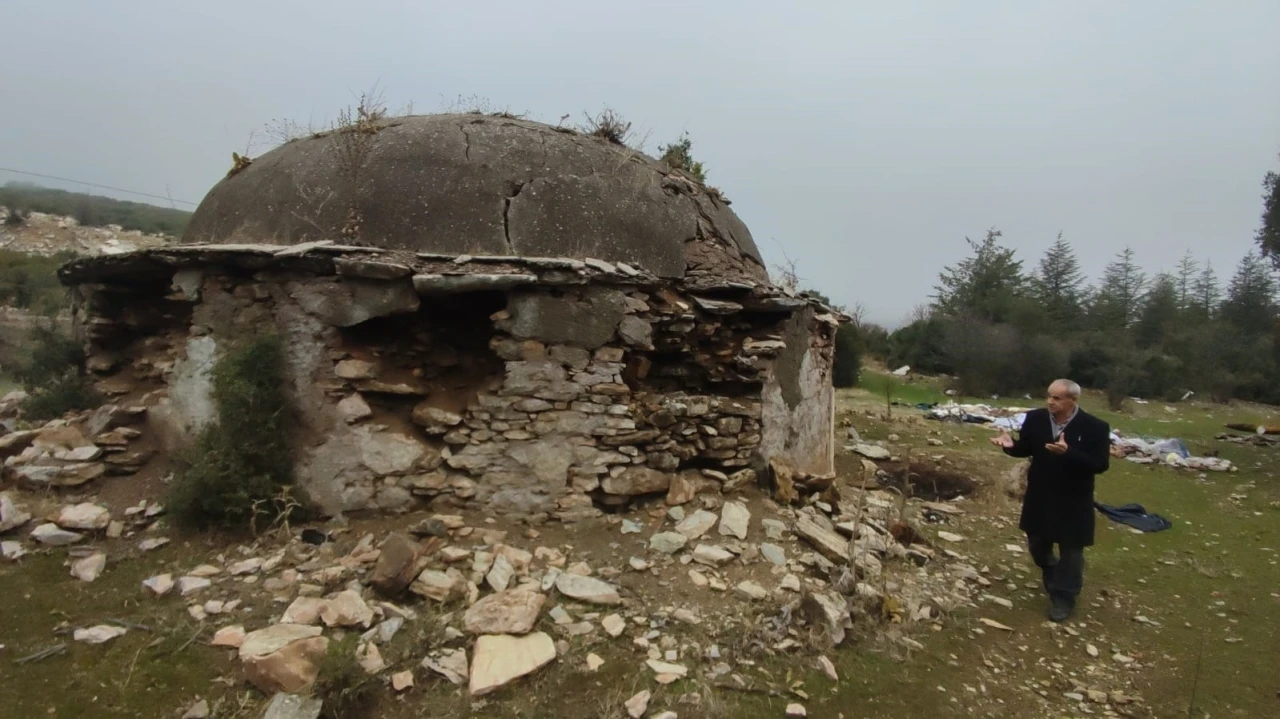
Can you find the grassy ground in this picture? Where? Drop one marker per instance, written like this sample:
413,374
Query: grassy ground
1208,643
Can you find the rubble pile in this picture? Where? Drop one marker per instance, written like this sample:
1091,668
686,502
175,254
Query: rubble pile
506,605
71,453
47,235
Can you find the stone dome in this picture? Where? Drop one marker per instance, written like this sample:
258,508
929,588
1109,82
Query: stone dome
480,185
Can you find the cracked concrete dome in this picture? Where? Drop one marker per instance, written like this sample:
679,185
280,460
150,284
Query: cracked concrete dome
480,185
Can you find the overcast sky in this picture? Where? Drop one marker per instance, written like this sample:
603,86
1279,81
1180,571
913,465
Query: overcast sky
867,138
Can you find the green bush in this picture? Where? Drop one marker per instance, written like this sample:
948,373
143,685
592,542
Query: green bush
342,683
679,156
239,470
31,282
53,376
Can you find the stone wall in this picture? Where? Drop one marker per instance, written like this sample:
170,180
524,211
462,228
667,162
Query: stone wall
547,387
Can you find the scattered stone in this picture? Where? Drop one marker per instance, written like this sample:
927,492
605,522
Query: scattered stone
828,668
304,610
631,527
199,710
89,568
370,659
637,705
829,611
751,590
711,555
404,680
614,624
11,516
1091,650
437,585
501,659
735,519
697,524
248,566
190,585
293,706
100,634
667,668
394,571
995,625
284,657
159,585
12,551
204,570
668,542
950,537
448,663
828,542
154,543
791,583
84,516
500,574
871,451
51,536
232,636
347,609
796,710
774,554
587,589
774,529
514,611
594,662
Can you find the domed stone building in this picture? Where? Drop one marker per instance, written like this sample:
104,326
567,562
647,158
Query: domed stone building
481,310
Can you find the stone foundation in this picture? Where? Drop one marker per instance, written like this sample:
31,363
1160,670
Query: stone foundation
526,385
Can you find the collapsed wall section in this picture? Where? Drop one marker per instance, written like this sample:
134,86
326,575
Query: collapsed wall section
527,385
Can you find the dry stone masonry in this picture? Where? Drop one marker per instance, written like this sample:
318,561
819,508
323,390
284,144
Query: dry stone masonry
576,384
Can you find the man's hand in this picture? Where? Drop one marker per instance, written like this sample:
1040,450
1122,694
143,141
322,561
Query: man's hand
1004,441
1059,447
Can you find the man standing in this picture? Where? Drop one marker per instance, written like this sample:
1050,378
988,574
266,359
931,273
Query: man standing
1068,448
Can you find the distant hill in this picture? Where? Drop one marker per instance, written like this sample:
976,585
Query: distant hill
94,210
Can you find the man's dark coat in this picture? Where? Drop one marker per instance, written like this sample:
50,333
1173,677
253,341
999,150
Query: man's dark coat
1058,506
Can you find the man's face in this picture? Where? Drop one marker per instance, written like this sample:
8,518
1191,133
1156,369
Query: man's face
1060,403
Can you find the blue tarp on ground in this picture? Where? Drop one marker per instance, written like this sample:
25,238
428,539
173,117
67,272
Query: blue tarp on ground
1134,515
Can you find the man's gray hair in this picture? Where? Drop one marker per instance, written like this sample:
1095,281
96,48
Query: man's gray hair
1072,389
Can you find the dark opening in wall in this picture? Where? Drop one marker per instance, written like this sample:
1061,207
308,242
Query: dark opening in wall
442,350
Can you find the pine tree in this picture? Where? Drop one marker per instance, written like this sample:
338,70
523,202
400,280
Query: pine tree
1159,315
1119,298
1268,236
1059,284
1250,304
985,286
1187,269
1205,295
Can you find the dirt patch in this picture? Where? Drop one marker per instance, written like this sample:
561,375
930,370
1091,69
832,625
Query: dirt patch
927,482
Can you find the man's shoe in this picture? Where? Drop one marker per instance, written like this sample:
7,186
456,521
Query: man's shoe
1060,609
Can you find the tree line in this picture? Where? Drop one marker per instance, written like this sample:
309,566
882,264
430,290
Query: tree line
1002,328
22,198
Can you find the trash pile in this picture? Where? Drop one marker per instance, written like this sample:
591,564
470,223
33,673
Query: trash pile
1172,452
1141,450
1009,418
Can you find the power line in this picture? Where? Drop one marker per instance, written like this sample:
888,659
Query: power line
94,184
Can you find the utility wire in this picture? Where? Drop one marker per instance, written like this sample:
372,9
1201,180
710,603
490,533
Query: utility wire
94,184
